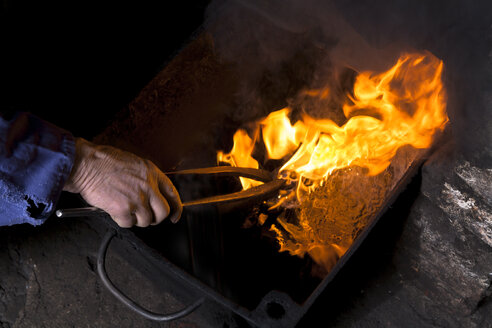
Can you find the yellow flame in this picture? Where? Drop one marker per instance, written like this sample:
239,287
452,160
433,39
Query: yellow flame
407,104
279,136
240,155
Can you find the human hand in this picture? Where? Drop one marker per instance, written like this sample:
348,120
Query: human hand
132,190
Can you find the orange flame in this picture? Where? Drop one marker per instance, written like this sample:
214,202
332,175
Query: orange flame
279,136
407,104
403,106
240,155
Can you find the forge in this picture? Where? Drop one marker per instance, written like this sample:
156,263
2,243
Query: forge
267,263
374,116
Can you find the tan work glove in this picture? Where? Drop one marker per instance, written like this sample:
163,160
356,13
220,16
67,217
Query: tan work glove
132,190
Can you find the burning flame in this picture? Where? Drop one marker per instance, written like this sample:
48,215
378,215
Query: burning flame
402,106
407,106
240,155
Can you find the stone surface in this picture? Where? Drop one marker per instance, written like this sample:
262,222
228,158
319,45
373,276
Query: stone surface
47,280
437,271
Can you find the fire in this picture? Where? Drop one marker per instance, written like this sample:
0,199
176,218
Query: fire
240,155
402,106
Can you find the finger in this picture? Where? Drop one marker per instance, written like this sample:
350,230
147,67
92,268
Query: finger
127,220
123,213
159,207
144,216
167,188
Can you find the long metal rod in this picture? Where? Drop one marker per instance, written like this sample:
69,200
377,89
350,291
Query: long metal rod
78,212
259,192
245,172
262,191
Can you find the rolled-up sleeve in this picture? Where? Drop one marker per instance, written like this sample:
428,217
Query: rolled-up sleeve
36,158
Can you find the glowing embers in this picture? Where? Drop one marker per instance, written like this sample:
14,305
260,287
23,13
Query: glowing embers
341,173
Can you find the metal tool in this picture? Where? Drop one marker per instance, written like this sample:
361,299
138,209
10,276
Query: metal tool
263,191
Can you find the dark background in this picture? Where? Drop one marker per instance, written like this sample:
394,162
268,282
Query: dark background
77,63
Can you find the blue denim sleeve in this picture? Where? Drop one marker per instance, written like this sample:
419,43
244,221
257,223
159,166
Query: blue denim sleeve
36,158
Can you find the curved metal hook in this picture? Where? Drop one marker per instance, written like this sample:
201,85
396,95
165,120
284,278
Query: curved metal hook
101,271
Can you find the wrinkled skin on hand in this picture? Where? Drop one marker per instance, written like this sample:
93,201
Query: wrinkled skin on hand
132,190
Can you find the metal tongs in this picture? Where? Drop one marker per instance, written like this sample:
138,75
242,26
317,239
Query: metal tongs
271,185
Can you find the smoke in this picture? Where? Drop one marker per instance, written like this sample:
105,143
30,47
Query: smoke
280,47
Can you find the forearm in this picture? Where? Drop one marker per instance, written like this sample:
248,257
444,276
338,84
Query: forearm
39,160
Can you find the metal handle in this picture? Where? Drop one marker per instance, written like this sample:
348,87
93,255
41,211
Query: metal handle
101,271
78,212
259,192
